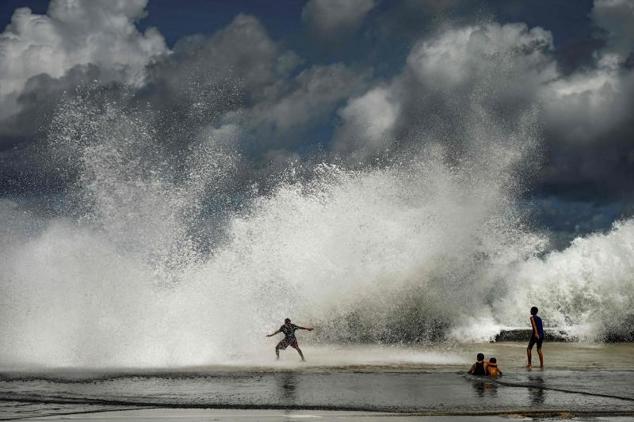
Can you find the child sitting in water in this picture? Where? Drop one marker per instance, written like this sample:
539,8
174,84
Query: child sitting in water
478,368
492,369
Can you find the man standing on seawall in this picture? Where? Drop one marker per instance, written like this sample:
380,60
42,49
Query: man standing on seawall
537,336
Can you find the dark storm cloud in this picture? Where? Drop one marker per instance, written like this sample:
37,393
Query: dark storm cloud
496,69
616,18
24,161
236,87
241,87
242,51
41,56
506,70
37,100
569,219
241,77
587,117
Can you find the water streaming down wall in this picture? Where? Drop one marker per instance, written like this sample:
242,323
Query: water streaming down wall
163,257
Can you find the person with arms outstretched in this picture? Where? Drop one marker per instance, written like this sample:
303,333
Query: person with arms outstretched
537,336
289,337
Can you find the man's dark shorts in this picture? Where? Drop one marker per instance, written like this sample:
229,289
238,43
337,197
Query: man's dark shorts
534,340
287,342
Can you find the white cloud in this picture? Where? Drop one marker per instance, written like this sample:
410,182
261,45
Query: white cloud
588,104
331,16
76,32
462,56
445,79
368,122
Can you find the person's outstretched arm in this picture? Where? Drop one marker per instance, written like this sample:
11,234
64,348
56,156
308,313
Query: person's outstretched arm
304,328
272,334
472,370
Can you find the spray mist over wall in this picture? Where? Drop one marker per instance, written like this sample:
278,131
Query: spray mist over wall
164,254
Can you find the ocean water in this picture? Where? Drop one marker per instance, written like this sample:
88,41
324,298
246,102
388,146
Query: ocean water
598,381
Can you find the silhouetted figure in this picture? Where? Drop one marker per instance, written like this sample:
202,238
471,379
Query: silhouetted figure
537,337
289,337
478,368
